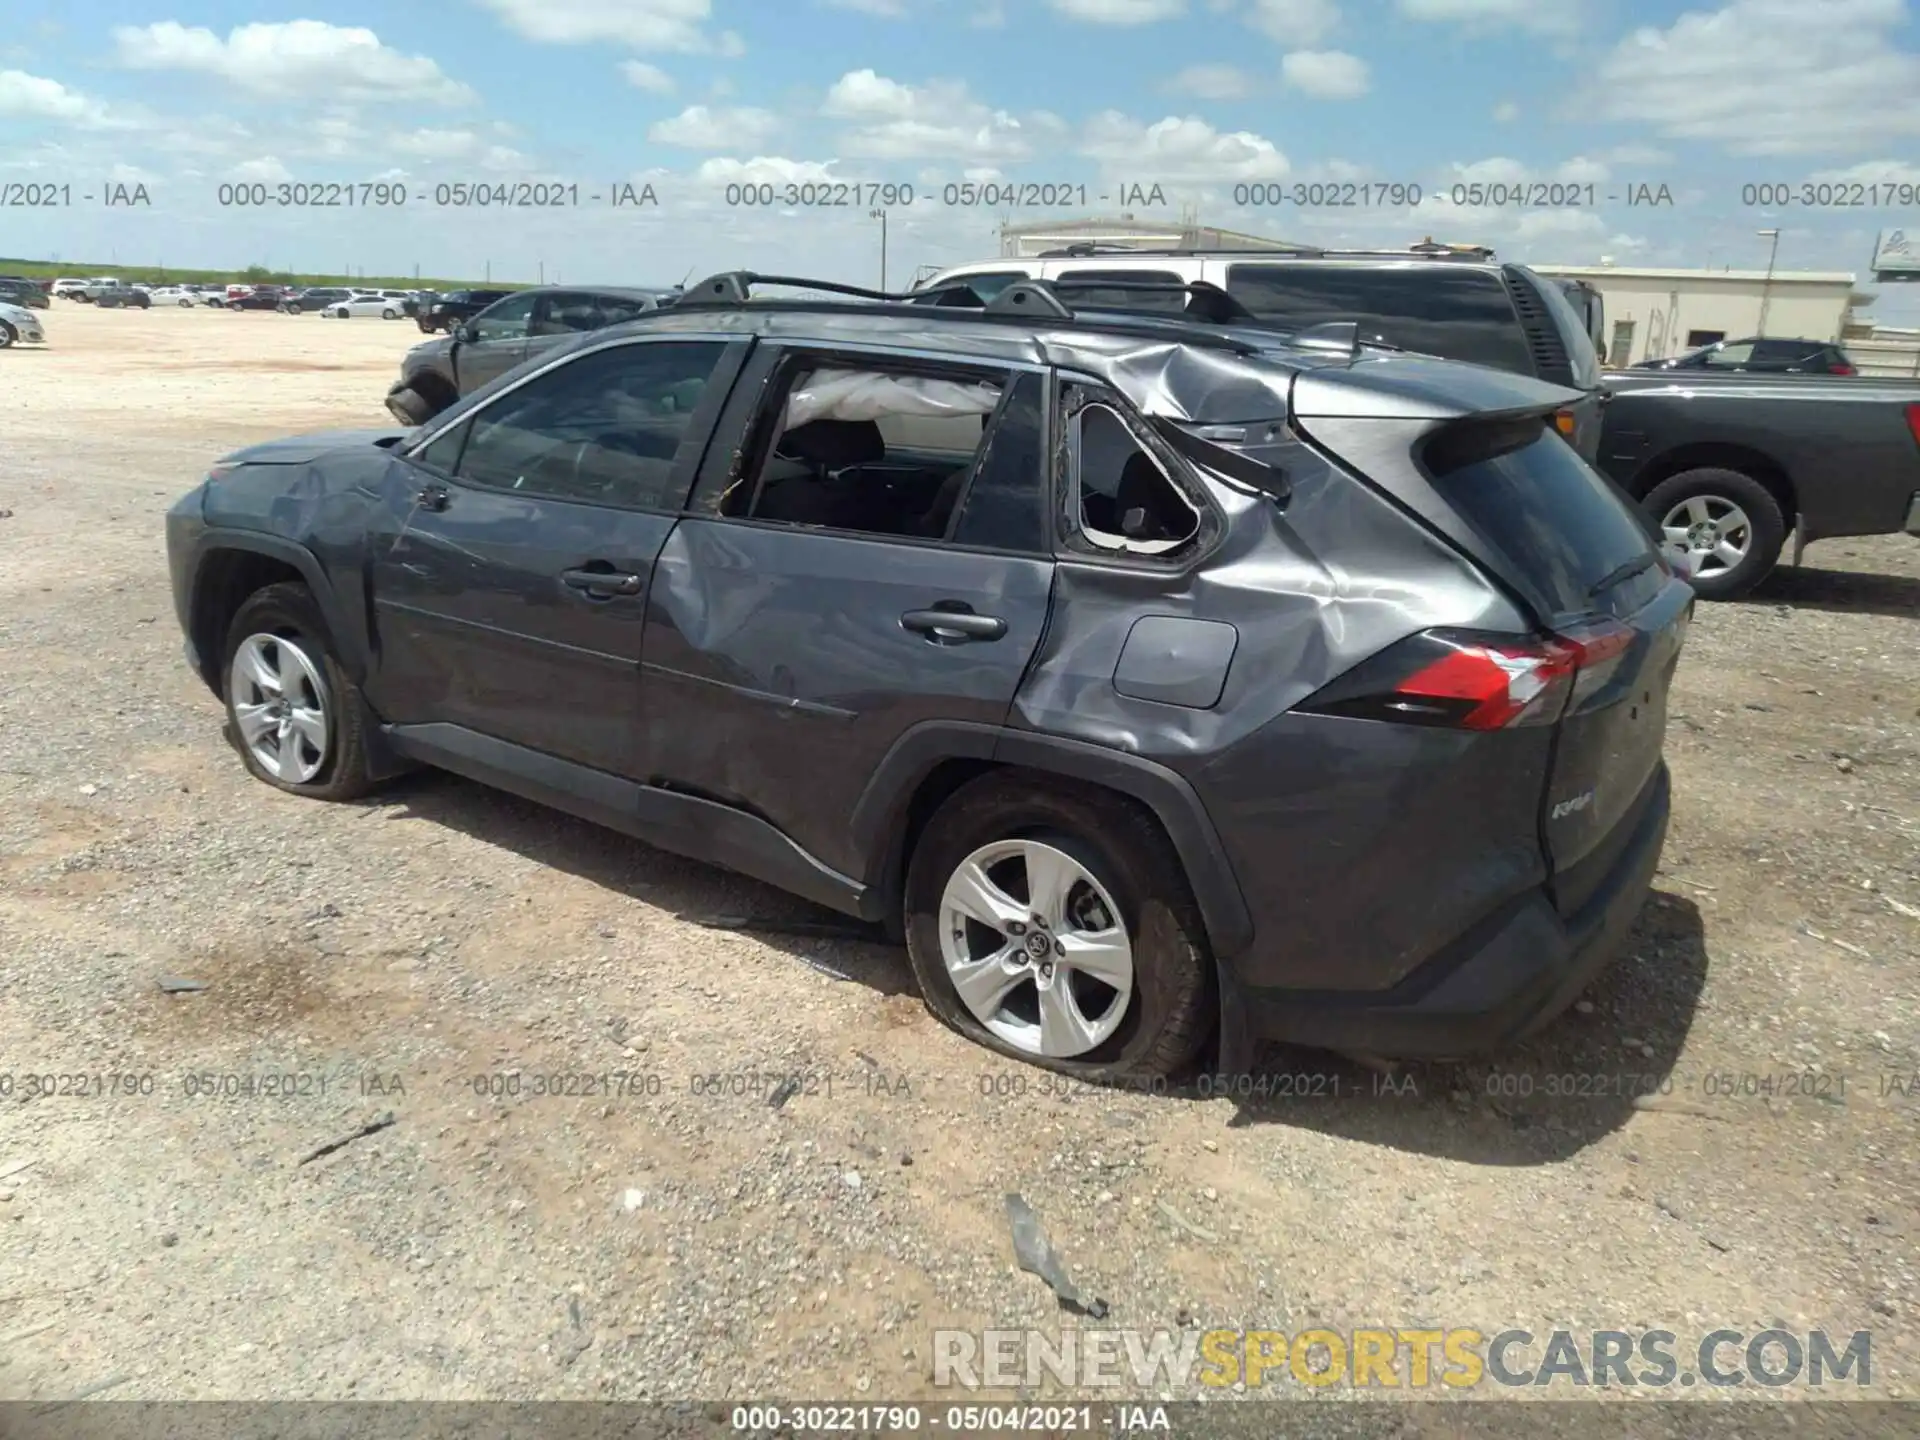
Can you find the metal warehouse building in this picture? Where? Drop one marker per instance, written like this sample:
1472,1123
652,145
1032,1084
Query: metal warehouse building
1652,314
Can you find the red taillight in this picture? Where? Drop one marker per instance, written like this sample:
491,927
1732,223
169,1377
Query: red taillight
1913,422
1486,687
1464,681
1842,370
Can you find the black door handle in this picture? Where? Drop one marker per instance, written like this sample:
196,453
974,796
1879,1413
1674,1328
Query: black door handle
951,627
432,497
601,583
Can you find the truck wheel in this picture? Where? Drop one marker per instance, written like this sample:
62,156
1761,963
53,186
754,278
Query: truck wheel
1728,524
1054,924
411,407
293,712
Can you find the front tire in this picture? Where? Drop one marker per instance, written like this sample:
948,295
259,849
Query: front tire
410,407
1052,922
7,335
389,314
293,712
1728,524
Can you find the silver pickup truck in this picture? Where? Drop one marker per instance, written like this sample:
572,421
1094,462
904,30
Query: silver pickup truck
1728,465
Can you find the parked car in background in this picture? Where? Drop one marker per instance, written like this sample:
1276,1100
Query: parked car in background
1459,303
371,302
1129,756
68,288
417,302
1762,355
523,324
16,291
317,299
213,296
176,295
1727,464
448,310
100,285
259,297
124,297
19,326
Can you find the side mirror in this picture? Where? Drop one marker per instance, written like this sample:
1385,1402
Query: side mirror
465,333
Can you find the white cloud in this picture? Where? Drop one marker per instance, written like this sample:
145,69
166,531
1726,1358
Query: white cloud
939,120
1120,12
700,128
435,144
730,45
297,58
1543,17
1325,74
992,16
1506,112
1872,172
650,78
1212,82
1769,77
1504,170
34,97
647,25
1295,22
762,170
267,168
885,9
1179,150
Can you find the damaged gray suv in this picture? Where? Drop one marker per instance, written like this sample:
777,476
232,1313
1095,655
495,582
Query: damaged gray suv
1160,678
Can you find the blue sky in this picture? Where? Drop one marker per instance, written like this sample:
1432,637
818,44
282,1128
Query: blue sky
1201,98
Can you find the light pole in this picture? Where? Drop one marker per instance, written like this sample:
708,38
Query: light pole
1766,287
881,216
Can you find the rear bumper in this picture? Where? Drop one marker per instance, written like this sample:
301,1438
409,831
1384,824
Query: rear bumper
1511,974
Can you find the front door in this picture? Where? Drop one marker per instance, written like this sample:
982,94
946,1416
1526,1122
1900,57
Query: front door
498,343
844,580
514,550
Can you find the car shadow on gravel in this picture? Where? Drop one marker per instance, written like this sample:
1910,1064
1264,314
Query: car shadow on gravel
1574,1083
699,894
1852,591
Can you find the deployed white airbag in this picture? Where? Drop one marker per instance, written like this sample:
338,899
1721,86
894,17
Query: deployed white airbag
868,395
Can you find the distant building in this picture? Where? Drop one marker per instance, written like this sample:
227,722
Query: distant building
1655,313
1126,233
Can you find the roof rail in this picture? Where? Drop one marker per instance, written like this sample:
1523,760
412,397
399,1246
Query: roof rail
1208,309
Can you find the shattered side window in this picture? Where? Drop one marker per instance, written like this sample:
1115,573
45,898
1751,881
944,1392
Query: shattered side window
1120,498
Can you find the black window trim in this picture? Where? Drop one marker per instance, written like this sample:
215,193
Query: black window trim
733,356
1065,513
798,353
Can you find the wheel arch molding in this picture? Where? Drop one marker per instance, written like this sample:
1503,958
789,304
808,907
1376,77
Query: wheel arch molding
892,804
225,561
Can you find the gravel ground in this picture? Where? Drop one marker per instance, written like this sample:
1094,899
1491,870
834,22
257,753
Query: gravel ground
419,956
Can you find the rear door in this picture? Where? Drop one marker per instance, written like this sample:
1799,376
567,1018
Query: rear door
831,591
1576,552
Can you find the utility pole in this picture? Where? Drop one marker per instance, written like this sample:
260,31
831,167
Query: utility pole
1766,287
881,216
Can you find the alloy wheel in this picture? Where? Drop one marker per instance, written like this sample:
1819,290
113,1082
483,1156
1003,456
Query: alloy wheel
281,707
1711,531
1036,949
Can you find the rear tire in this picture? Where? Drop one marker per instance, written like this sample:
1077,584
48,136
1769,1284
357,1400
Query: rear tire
1110,851
1730,523
282,627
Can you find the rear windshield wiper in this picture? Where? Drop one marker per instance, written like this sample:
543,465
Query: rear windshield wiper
1621,573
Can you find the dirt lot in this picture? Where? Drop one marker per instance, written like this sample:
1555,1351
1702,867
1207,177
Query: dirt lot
410,955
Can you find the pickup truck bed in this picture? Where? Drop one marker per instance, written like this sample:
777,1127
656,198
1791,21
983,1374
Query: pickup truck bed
1728,465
